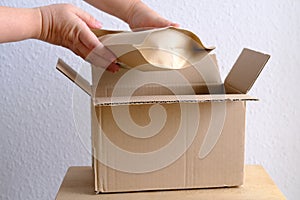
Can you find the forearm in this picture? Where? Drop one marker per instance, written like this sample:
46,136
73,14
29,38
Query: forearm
19,23
119,8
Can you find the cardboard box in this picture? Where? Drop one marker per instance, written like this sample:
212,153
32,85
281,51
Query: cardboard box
169,133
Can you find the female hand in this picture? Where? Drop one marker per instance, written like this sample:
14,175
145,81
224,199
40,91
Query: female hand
141,16
69,26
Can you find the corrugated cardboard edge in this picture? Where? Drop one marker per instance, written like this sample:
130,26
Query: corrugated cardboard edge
165,99
95,169
93,138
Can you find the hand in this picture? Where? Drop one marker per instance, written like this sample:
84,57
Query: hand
141,16
69,26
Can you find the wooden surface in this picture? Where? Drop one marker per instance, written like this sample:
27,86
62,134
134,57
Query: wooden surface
78,185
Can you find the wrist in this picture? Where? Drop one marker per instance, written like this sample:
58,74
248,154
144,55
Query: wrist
134,6
37,26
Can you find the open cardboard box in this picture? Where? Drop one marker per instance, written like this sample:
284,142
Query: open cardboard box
157,131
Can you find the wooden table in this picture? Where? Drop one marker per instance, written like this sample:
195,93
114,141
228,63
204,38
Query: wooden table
78,185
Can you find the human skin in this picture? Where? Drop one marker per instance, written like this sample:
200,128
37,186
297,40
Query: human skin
69,26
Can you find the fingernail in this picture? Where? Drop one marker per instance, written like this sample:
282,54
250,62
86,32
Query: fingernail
175,25
98,24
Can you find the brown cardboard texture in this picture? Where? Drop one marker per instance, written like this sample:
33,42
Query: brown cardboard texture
160,127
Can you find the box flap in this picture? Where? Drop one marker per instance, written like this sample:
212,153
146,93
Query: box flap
74,76
167,99
245,71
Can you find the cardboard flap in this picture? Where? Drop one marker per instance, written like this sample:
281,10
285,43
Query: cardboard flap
245,71
165,99
74,76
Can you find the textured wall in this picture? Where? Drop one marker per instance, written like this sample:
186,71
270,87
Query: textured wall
38,139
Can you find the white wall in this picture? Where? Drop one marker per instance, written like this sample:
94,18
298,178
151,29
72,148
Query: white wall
38,140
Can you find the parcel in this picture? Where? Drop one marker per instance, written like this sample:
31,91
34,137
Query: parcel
166,120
